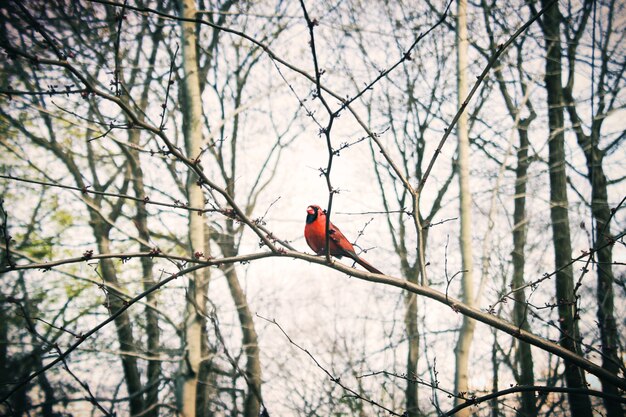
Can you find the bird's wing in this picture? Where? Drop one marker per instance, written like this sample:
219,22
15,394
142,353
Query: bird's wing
342,245
336,235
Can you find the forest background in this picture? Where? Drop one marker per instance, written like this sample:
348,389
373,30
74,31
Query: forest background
157,160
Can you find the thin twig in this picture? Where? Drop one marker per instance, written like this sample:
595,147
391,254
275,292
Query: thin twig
170,82
533,388
492,61
336,380
95,329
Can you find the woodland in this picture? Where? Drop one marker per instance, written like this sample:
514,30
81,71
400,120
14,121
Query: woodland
160,160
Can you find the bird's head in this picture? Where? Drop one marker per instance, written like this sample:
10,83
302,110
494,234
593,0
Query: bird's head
312,212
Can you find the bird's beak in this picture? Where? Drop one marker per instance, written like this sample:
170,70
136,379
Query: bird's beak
310,210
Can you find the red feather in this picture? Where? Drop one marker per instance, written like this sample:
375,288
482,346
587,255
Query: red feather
315,235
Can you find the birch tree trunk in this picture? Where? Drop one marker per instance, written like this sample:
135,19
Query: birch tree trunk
467,295
195,311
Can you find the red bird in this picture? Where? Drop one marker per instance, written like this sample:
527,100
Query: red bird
315,235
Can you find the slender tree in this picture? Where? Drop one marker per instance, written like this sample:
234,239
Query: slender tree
196,305
523,354
595,152
466,333
580,404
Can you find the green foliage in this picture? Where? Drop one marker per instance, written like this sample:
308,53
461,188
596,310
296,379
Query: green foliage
63,217
36,247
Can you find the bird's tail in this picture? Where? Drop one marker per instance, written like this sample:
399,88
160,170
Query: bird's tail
366,265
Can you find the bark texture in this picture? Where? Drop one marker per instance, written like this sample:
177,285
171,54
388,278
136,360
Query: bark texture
195,312
523,355
580,405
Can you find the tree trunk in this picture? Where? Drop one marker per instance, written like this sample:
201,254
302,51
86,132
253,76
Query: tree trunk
606,316
414,274
152,319
252,403
580,405
123,326
195,311
495,376
466,332
602,234
523,354
412,334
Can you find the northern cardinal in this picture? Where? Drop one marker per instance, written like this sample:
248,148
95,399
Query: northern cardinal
315,235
